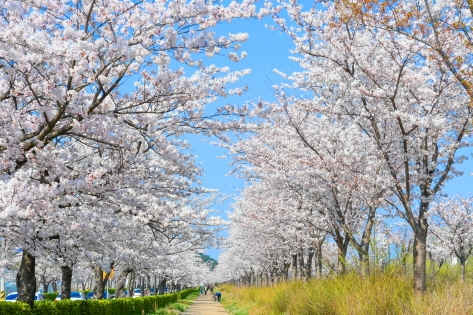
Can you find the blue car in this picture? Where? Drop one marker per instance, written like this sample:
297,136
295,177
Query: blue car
14,295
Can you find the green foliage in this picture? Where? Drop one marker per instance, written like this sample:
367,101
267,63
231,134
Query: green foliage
18,308
184,293
68,307
179,306
111,290
50,296
212,263
128,306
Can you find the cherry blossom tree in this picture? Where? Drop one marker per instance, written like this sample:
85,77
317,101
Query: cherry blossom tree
444,28
338,187
412,107
90,90
452,223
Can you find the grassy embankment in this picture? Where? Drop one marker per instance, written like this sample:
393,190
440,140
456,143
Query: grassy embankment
383,294
178,307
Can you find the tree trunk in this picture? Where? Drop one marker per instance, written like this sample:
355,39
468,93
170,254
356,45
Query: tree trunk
462,267
100,282
302,266
162,284
25,279
342,245
275,277
308,265
294,267
120,292
45,286
155,285
66,273
364,246
420,255
318,264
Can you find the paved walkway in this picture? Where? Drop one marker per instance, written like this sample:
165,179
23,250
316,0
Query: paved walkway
203,305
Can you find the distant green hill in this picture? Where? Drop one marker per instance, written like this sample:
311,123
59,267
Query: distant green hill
208,260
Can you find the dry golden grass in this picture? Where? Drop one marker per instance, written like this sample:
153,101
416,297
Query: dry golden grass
385,294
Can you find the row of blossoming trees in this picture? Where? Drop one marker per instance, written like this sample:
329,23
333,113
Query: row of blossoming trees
364,136
94,99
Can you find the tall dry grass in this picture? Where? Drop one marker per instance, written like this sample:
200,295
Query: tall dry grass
382,294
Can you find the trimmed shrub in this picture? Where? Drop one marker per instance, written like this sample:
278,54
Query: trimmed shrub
137,305
128,306
18,308
183,294
68,307
50,296
46,308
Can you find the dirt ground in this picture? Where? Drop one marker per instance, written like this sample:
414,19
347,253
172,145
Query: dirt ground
203,305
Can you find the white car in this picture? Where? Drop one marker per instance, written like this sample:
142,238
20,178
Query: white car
75,296
11,297
136,293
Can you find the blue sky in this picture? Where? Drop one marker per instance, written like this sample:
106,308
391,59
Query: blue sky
266,50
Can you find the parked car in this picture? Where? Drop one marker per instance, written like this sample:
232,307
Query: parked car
11,297
74,296
136,293
104,296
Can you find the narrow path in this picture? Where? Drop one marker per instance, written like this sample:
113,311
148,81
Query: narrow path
203,305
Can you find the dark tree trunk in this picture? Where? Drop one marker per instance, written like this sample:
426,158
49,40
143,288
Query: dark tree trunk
155,285
45,286
162,285
342,245
66,272
420,255
318,261
100,282
285,271
462,266
364,246
307,269
26,280
120,292
131,282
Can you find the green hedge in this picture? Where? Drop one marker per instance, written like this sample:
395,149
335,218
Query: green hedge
50,296
184,293
127,306
8,308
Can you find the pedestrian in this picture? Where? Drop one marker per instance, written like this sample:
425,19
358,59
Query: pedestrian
218,295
